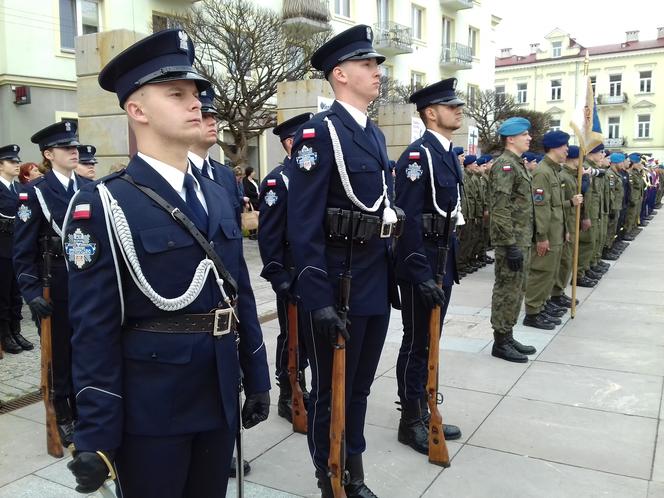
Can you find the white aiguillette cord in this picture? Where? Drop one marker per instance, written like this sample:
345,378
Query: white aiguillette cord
389,215
457,209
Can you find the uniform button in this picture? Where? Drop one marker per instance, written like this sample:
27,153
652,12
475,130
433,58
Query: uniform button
170,243
234,231
154,356
364,166
212,244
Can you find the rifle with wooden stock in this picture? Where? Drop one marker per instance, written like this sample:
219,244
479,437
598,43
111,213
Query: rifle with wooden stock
298,412
336,462
53,443
438,453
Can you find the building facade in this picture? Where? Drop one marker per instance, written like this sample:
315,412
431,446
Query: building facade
627,78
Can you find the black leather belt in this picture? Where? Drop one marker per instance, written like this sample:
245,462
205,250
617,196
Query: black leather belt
433,225
365,226
219,323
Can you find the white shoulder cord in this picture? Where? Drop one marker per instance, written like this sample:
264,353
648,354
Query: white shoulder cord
389,216
7,217
285,179
116,218
47,212
457,209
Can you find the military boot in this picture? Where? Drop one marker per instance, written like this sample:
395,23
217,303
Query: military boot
356,488
302,380
586,282
521,348
503,348
284,405
9,344
246,468
552,309
412,430
560,301
15,330
451,432
550,318
610,255
593,275
538,321
324,484
64,419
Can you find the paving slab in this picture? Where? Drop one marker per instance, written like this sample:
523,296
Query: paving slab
631,394
36,487
609,442
655,489
658,466
482,473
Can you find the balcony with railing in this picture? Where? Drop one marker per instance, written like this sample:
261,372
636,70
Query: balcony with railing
456,56
456,4
306,16
615,142
391,38
607,99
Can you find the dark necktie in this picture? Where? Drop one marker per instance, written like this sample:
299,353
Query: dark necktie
206,169
70,188
371,133
199,215
12,188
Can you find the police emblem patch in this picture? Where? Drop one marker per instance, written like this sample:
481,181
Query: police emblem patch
306,158
271,198
413,172
24,213
80,249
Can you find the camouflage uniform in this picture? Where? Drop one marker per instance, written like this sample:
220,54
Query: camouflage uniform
636,196
468,231
590,210
604,195
615,203
569,186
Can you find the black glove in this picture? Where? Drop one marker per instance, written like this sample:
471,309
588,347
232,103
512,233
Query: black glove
328,324
89,470
283,291
514,258
431,294
256,409
40,308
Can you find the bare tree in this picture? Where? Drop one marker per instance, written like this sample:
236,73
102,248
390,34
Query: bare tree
245,50
391,92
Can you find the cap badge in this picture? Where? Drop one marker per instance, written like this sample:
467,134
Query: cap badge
184,41
67,126
89,150
15,148
369,34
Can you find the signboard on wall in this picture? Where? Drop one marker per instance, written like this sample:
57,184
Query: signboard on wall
473,140
417,129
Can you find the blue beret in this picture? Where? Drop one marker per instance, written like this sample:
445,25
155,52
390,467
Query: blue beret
206,96
555,139
513,126
599,148
353,44
469,159
86,154
540,157
617,157
635,157
573,152
164,56
442,92
62,134
10,153
529,156
288,128
457,150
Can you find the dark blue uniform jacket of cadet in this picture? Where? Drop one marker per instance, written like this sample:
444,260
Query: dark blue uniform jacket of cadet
8,206
318,261
416,256
10,297
147,383
224,177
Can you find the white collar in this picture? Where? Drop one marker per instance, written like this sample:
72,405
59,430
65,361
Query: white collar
5,182
171,174
356,114
198,160
443,140
65,179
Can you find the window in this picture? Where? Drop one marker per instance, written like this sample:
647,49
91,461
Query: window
522,93
556,89
593,82
161,22
416,80
557,48
448,31
500,94
614,126
643,130
615,85
89,17
473,41
645,81
342,8
77,17
472,92
554,124
67,24
417,22
386,70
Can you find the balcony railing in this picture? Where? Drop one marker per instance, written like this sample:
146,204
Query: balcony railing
391,38
456,4
307,16
615,142
456,56
605,99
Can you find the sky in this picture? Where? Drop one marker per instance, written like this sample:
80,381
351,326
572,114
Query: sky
590,22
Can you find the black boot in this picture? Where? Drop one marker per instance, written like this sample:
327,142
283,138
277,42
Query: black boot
521,348
356,487
550,318
15,330
538,321
502,348
9,344
451,432
324,484
550,308
586,282
561,302
64,419
245,464
303,385
412,430
284,405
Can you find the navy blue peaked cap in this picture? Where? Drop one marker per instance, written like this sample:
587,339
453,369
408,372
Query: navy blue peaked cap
288,128
10,153
164,56
443,92
206,97
86,154
62,134
355,43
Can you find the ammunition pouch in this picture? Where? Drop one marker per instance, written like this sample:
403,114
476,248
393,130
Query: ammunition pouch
433,225
365,226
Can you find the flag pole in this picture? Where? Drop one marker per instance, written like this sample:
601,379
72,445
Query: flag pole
577,226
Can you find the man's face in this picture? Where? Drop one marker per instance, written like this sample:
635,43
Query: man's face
362,78
63,157
86,170
209,129
559,154
462,157
448,117
9,168
520,142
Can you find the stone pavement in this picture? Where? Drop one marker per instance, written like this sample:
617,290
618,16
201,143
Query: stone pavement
583,419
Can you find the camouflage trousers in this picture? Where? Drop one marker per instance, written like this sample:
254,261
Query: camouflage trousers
564,273
509,288
541,277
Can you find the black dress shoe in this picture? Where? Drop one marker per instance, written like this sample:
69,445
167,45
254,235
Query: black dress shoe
246,467
502,348
9,344
451,432
538,321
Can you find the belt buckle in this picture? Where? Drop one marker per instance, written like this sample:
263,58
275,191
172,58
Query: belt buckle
223,322
386,230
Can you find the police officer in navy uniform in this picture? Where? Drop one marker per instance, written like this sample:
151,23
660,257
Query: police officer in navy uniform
42,207
11,339
428,184
87,161
340,169
278,266
157,279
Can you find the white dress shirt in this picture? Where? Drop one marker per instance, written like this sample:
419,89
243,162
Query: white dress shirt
356,114
199,161
443,141
65,179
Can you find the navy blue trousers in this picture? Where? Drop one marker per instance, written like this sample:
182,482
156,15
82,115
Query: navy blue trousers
10,295
367,336
414,352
